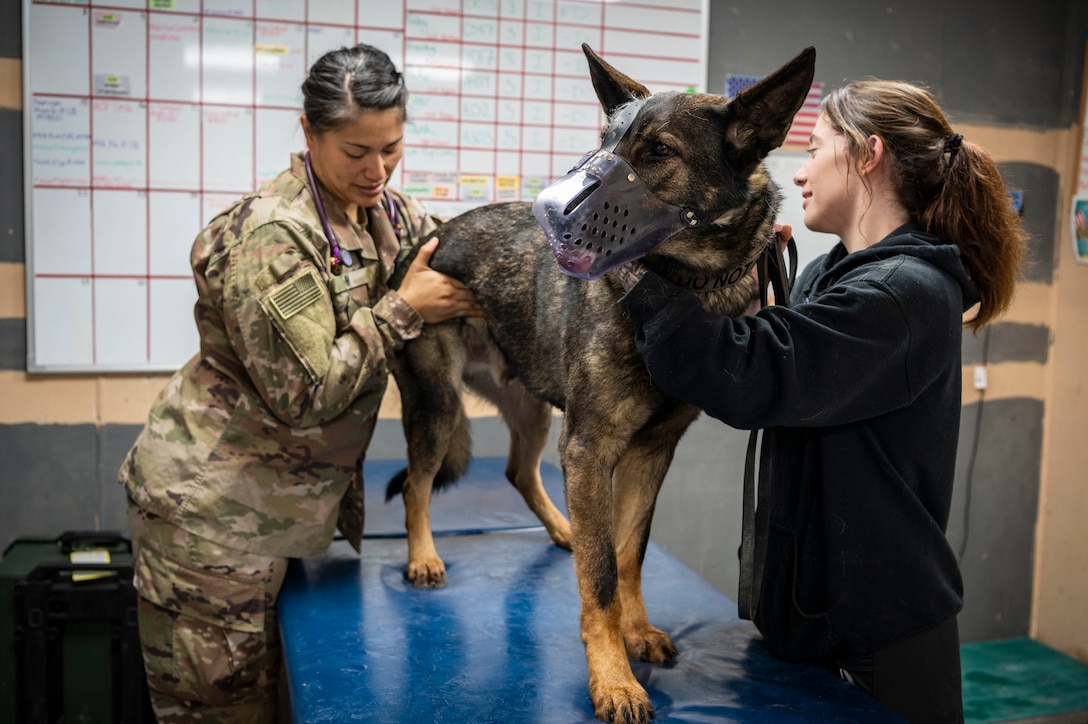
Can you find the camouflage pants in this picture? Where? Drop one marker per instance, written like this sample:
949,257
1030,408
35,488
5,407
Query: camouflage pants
208,626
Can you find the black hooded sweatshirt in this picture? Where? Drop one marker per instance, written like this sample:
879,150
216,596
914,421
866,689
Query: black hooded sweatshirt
859,383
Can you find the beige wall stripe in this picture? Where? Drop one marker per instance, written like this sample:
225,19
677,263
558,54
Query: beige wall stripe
1014,144
12,291
47,399
125,400
11,84
1032,304
1006,380
119,399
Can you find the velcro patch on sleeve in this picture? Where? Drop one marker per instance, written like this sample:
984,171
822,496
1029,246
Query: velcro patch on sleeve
294,297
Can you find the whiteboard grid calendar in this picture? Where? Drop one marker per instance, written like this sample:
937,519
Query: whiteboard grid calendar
145,118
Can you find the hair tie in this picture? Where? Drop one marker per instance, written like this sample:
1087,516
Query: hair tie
953,143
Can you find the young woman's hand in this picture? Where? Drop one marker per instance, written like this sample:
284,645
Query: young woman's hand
784,231
434,295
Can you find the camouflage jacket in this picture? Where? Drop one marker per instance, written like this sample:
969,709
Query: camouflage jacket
254,441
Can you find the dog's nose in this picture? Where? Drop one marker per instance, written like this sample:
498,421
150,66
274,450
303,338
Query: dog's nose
573,260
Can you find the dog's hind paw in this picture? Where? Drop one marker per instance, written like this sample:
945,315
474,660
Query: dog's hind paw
652,645
562,536
426,574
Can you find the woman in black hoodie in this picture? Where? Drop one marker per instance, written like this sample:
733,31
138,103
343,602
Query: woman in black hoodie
858,387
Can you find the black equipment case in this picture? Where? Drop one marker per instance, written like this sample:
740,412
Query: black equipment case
69,642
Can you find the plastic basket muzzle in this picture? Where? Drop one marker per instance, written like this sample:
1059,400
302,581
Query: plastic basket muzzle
601,215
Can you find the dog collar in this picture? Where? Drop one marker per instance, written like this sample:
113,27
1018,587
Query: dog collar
709,283
705,284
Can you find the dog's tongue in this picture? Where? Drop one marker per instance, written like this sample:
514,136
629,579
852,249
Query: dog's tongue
573,260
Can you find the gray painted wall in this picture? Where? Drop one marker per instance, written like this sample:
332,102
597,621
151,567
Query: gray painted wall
988,63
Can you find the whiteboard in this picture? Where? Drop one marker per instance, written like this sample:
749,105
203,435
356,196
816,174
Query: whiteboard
145,118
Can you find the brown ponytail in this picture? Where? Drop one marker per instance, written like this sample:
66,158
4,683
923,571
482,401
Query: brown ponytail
974,210
949,186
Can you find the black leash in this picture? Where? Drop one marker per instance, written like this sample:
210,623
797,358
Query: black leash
771,270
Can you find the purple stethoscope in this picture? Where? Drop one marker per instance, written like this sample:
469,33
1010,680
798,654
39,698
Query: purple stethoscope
341,256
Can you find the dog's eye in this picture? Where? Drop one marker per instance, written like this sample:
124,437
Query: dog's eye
660,150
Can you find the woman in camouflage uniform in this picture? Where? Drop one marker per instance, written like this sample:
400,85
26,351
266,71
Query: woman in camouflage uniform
252,454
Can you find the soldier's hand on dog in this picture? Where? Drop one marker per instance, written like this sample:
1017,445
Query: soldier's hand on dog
434,295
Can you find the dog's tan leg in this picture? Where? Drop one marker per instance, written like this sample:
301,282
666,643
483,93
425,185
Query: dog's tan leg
437,434
638,479
617,696
529,423
612,505
528,418
425,568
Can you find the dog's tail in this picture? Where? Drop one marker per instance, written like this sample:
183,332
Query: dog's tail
453,466
445,478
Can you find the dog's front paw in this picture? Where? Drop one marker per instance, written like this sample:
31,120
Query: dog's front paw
426,573
622,705
650,644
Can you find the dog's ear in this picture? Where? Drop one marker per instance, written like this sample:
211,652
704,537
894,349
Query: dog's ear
613,87
758,119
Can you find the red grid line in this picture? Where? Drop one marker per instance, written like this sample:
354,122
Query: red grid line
147,182
69,275
647,6
90,200
253,112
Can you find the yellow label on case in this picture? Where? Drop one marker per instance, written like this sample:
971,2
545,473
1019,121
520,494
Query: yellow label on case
94,555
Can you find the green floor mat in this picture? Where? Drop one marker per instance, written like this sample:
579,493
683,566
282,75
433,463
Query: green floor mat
1021,679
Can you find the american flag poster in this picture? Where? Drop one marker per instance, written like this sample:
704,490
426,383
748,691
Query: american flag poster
803,122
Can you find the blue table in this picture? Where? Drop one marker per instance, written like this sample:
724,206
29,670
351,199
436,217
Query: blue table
500,642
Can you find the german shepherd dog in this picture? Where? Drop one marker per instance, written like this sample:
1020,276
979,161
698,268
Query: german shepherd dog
549,339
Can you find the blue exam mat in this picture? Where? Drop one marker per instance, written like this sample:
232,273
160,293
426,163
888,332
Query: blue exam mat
484,500
500,643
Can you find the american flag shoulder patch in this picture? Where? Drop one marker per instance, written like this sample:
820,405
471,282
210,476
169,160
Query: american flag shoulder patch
295,296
